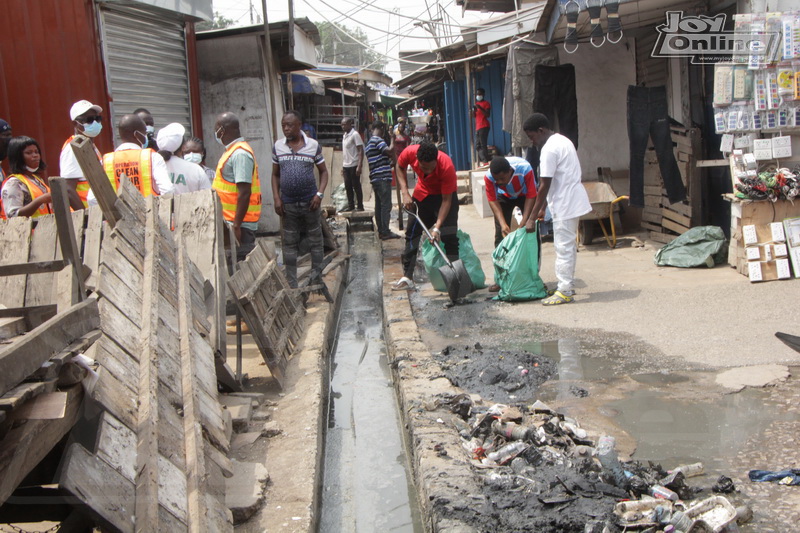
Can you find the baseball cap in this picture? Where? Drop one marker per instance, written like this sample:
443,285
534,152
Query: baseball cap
81,107
170,137
4,126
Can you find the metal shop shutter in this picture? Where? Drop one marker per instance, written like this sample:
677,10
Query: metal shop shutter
145,56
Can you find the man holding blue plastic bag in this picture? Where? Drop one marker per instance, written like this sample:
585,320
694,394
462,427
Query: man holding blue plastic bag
560,186
509,184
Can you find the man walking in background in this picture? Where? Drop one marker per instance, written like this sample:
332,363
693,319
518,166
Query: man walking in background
481,111
352,157
380,158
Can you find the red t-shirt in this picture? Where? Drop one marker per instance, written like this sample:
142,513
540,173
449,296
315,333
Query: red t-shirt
441,181
480,118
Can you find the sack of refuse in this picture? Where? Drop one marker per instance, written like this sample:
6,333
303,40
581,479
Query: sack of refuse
700,246
516,267
339,196
433,260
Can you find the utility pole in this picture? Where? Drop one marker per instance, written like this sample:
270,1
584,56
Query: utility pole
252,21
289,83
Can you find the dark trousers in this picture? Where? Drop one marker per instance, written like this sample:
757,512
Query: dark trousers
648,118
383,204
352,184
299,220
428,210
246,245
481,144
555,97
507,205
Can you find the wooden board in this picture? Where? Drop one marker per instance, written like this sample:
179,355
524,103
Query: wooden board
677,217
664,238
24,355
39,289
15,243
673,226
91,244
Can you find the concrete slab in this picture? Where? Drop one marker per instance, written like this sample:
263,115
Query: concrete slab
752,376
240,409
241,440
244,492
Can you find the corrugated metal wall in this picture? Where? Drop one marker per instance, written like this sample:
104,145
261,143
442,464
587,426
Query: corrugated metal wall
145,58
493,79
457,123
49,59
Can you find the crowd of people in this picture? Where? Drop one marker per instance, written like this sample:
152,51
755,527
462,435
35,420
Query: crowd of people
170,162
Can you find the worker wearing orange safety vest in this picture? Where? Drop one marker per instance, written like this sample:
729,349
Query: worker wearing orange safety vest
144,167
237,184
86,120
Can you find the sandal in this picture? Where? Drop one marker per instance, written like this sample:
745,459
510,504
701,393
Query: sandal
614,24
558,298
571,10
403,284
594,7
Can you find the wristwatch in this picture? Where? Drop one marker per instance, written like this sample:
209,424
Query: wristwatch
321,196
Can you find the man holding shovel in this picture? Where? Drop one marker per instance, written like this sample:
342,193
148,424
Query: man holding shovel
434,200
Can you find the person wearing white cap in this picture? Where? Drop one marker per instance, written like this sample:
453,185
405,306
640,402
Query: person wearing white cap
87,121
185,176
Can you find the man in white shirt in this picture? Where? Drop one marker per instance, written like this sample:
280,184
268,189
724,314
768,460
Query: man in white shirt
150,178
86,121
560,186
185,176
352,157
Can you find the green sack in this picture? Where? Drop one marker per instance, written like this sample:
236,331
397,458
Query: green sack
339,196
433,260
700,246
516,267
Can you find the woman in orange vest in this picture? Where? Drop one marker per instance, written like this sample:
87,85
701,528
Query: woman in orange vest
26,192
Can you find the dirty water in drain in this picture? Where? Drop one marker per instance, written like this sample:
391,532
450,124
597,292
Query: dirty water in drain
366,479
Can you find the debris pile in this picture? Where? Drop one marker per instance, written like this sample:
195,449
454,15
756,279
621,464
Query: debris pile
542,471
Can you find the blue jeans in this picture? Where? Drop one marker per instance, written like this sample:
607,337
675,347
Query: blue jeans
647,117
298,220
383,204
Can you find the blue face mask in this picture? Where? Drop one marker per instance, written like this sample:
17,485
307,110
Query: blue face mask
193,157
92,129
146,140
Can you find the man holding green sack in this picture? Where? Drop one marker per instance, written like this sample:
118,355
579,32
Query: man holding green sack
509,184
559,186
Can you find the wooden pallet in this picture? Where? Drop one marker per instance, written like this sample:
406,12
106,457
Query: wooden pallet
161,449
270,308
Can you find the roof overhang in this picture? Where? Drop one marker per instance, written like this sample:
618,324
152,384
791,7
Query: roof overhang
497,29
632,13
195,10
333,72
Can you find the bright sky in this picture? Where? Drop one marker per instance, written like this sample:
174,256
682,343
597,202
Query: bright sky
379,19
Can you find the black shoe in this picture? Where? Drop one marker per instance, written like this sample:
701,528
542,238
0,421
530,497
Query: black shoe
347,210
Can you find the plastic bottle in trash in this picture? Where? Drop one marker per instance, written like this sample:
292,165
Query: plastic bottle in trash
510,430
680,521
694,469
608,458
657,491
507,452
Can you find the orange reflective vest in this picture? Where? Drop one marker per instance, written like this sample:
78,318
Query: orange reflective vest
36,188
136,165
83,185
229,194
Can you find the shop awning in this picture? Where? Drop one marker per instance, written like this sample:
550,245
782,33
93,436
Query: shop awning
347,92
388,99
304,85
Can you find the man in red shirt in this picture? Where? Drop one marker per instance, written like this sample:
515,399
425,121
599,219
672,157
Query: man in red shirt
481,111
434,199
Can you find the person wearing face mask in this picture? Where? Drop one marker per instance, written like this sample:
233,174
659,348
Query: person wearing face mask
149,126
26,192
185,176
86,120
237,184
481,111
144,167
194,151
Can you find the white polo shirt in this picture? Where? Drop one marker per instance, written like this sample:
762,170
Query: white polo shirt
350,143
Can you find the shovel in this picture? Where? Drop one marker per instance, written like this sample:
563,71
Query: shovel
455,276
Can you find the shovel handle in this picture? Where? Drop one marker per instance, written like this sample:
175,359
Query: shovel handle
428,233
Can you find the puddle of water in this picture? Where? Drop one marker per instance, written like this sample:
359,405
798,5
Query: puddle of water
367,486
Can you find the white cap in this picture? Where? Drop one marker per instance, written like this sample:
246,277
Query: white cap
170,137
81,107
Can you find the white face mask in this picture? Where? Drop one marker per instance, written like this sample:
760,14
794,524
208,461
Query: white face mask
150,129
479,98
193,157
29,169
219,139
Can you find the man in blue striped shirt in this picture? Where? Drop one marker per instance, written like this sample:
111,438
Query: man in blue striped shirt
381,159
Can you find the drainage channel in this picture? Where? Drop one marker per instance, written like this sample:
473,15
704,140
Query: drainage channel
367,481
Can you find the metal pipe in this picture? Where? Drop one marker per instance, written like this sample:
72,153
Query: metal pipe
268,71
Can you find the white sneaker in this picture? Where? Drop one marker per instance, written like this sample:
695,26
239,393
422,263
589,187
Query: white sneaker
403,284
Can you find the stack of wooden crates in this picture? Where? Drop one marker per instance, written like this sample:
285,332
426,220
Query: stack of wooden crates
663,220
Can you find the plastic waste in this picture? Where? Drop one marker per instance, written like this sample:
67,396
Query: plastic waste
608,458
692,470
510,430
680,521
507,452
516,267
657,491
700,246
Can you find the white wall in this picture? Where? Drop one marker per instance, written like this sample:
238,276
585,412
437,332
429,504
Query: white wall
602,79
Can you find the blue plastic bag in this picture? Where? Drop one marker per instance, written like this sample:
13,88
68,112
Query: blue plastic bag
433,260
516,267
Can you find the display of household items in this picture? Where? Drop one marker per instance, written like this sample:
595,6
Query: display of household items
757,111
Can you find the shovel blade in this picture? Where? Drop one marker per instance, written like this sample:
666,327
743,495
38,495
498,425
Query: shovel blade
465,285
457,280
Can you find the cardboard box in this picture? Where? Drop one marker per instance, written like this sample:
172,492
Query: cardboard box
479,194
768,270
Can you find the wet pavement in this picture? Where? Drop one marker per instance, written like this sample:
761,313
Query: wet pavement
659,408
366,479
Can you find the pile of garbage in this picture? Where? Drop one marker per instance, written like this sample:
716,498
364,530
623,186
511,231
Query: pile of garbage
772,184
543,472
